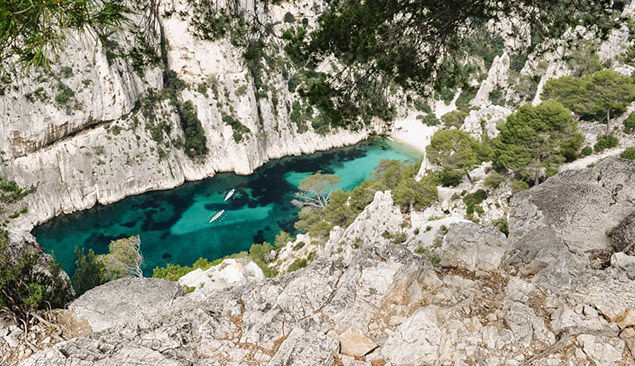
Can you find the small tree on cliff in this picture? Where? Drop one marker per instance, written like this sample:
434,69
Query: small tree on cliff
316,190
90,271
124,258
28,284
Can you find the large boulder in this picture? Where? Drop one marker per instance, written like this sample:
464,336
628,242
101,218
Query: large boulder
416,341
623,235
561,224
473,247
230,272
124,301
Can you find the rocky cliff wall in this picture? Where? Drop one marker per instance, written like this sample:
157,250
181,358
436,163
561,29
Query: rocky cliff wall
97,128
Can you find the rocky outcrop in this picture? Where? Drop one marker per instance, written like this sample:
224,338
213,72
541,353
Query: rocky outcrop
623,235
388,305
372,227
120,302
561,225
230,272
473,247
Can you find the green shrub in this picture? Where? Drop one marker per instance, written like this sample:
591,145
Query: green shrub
454,150
300,116
67,72
419,195
467,94
422,106
195,139
203,264
37,95
534,139
450,177
628,153
494,180
497,97
454,119
399,237
586,151
90,272
629,124
502,224
28,286
519,185
594,96
475,198
282,238
65,93
239,128
289,18
258,253
606,142
430,120
297,264
171,272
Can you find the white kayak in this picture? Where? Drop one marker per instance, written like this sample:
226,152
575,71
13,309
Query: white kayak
230,194
217,216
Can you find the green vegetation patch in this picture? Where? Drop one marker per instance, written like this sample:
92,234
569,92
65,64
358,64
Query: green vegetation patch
535,141
593,97
25,288
454,119
629,153
195,139
239,129
629,124
65,93
606,142
343,207
457,153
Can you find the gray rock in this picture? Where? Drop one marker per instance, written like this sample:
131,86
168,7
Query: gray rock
623,235
473,247
303,348
605,352
125,300
563,221
386,297
625,264
416,341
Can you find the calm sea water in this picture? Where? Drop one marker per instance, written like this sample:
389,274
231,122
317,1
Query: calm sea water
174,224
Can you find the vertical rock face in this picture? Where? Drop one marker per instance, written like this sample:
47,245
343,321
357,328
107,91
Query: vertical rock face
98,128
388,305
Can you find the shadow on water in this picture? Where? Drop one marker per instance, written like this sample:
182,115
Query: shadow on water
174,225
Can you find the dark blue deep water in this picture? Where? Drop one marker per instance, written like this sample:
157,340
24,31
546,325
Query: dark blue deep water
174,225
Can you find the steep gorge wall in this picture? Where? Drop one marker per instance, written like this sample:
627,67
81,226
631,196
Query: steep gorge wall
99,146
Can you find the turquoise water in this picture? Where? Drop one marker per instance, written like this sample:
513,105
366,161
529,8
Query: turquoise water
174,225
